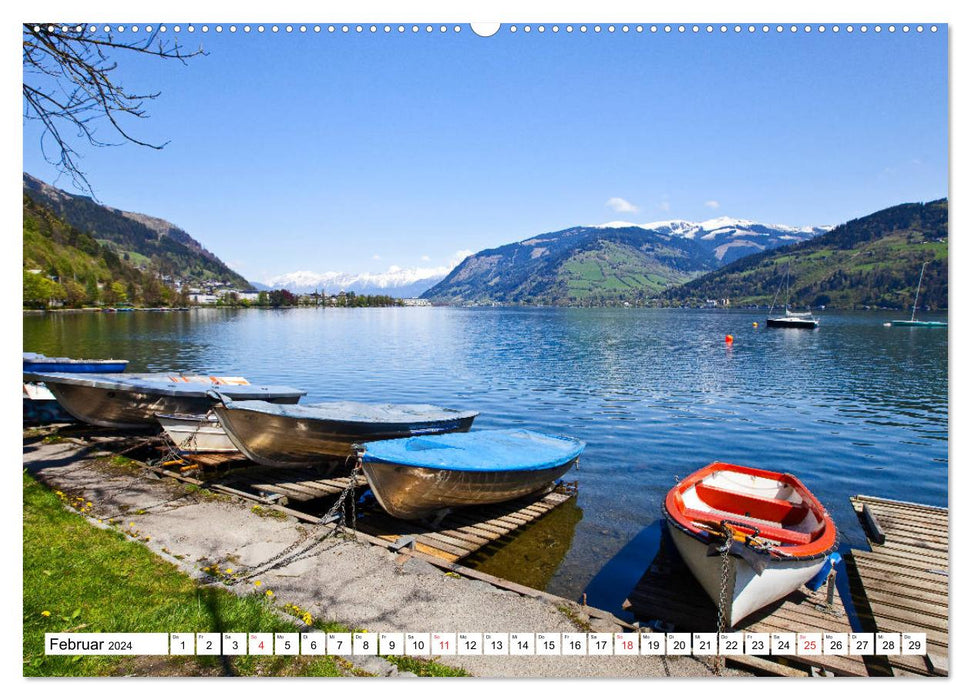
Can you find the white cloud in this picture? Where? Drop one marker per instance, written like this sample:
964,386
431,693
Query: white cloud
375,257
665,205
712,204
425,258
621,205
458,257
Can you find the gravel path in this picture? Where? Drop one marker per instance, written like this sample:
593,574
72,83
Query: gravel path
352,582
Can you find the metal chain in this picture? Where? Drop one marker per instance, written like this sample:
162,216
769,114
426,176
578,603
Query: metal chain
723,590
294,552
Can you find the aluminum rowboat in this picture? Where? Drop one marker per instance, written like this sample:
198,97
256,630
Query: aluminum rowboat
132,400
192,433
416,477
778,535
308,434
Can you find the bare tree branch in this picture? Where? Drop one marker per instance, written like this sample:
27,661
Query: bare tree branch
69,88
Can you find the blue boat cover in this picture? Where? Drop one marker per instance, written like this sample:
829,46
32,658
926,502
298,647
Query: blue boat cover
482,450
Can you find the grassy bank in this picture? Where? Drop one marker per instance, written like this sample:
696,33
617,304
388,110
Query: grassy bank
80,578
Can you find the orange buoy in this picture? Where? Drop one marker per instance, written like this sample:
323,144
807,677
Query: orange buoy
729,339
755,324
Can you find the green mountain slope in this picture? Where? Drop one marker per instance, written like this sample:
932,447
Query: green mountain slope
65,265
147,241
578,266
873,261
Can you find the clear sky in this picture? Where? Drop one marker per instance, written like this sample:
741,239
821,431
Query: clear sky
354,152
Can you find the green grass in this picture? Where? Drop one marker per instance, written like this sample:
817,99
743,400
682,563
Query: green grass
424,667
91,580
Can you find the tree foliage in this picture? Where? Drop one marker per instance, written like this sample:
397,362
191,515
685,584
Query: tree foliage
69,87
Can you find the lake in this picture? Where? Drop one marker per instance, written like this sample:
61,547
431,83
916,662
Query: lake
851,408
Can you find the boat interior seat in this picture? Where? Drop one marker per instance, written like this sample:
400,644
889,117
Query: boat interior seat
769,532
745,505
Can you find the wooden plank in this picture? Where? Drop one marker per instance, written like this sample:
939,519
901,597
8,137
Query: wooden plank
882,562
914,554
893,619
893,523
298,492
766,665
862,498
927,518
932,521
871,525
897,540
883,582
905,596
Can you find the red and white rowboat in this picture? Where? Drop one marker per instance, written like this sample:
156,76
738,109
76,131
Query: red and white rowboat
777,534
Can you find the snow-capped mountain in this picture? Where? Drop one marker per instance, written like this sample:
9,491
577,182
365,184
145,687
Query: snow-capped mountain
728,239
395,281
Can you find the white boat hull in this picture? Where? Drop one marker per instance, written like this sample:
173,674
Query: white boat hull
748,591
193,434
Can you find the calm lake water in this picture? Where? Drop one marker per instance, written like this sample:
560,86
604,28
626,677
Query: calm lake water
853,407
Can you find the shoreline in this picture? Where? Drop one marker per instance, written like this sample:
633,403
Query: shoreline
346,580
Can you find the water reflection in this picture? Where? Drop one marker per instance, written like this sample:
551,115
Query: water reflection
535,553
852,407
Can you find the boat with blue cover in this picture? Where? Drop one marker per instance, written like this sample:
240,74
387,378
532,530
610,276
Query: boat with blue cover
309,434
132,400
416,477
36,362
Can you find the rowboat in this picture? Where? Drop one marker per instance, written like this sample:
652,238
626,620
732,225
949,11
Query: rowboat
195,433
40,406
308,434
36,362
415,477
132,400
774,534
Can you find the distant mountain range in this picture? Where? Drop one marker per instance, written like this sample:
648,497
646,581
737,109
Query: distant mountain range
873,261
608,263
144,241
396,281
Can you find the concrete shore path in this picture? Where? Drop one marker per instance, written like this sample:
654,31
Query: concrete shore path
351,582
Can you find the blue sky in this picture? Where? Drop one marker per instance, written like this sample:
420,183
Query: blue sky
354,152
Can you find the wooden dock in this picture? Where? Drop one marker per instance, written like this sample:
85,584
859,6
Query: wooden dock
669,594
901,585
466,531
307,493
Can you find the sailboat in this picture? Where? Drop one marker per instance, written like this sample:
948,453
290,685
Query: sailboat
792,319
913,314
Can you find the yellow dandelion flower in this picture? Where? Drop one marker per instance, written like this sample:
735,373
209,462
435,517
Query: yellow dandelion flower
46,613
229,571
269,593
131,524
308,619
257,583
89,504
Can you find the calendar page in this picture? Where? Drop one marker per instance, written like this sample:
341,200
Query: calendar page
397,344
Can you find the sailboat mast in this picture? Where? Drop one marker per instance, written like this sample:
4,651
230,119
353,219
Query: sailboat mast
913,313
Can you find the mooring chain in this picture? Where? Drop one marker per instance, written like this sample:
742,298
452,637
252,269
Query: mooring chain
294,552
723,551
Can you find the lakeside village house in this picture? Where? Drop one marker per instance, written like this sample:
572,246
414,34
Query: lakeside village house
219,292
